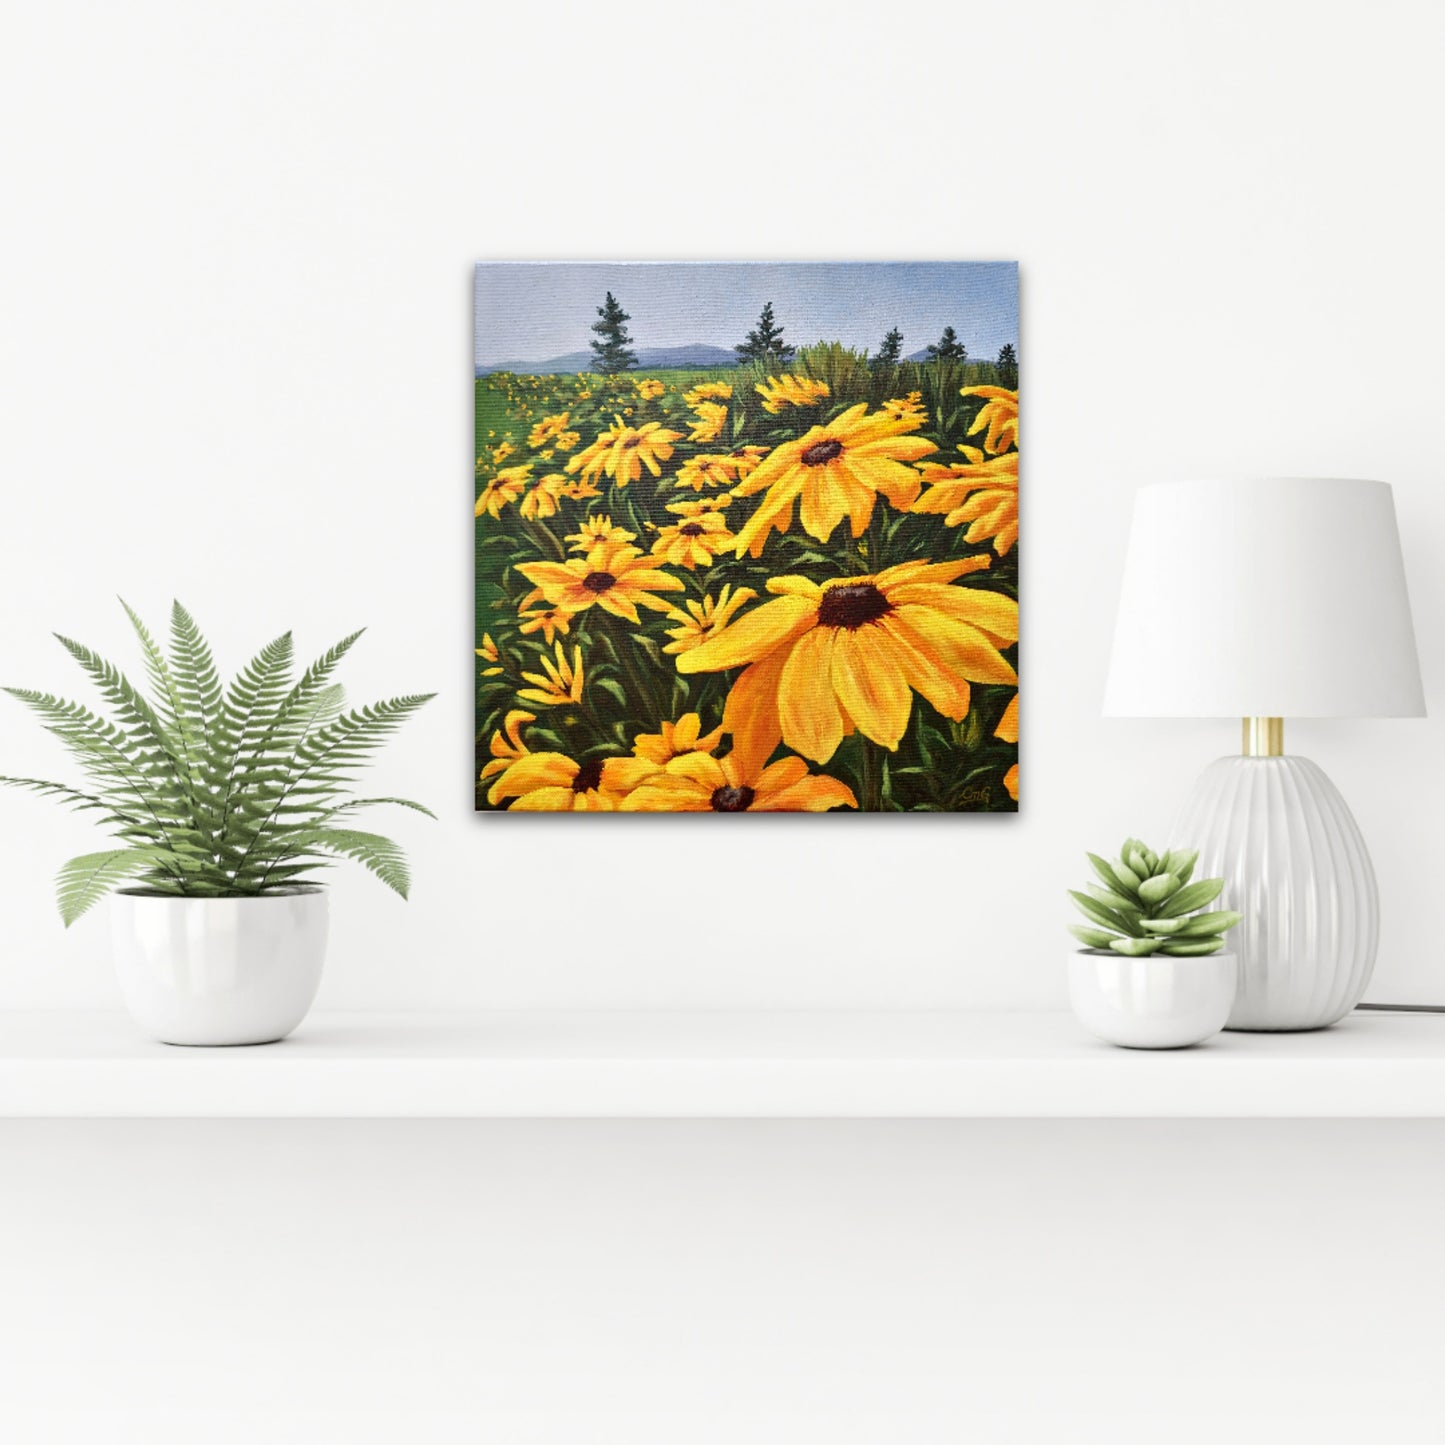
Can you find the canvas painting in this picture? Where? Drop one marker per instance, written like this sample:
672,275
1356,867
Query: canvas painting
747,537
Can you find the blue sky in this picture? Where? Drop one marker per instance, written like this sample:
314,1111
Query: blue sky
530,312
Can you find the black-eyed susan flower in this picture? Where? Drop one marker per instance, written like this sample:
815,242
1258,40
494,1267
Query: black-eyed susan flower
504,488
488,653
700,620
824,659
580,490
501,453
1011,782
548,429
542,500
649,387
675,740
564,441
555,686
1008,724
614,576
548,620
507,745
711,418
832,472
780,391
705,471
701,506
708,391
554,783
597,529
622,451
693,541
998,418
908,408
982,492
700,783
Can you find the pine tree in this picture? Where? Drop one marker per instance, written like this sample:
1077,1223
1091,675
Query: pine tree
948,347
1008,367
611,354
765,342
891,350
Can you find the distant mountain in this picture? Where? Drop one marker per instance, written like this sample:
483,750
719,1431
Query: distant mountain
656,358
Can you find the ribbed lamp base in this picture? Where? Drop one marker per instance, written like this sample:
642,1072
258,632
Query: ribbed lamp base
1294,863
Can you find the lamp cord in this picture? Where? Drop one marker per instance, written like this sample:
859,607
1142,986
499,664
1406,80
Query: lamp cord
1403,1008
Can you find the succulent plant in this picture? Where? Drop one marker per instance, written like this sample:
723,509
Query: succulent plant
1144,903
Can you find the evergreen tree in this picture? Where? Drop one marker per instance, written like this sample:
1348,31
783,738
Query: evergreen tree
611,354
891,351
948,347
1008,367
765,342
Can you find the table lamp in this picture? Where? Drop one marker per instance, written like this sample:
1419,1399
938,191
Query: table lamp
1261,600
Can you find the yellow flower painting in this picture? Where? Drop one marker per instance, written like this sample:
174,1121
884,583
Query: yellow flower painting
747,538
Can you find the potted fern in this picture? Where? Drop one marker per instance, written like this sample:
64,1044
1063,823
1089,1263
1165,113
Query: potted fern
1154,972
226,803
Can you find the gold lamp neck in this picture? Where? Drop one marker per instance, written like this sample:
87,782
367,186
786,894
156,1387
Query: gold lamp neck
1264,737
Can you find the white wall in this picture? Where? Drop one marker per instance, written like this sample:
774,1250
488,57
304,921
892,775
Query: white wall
235,368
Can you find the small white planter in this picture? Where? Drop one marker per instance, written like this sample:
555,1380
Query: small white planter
219,970
1156,1002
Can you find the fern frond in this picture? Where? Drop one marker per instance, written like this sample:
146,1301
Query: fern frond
249,707
197,681
376,802
156,666
71,797
323,764
84,881
380,855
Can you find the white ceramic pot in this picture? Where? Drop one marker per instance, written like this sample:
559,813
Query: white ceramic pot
1156,1002
219,970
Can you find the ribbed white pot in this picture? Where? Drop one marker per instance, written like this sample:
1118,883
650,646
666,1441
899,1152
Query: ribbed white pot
1281,836
219,970
1158,1002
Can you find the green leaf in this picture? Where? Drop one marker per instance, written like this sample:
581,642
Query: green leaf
1192,947
1136,947
1125,877
1180,862
1203,923
1112,898
84,881
1157,889
380,855
1096,912
375,802
1091,937
1162,925
1192,896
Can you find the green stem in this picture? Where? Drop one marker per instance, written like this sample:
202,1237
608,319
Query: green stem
543,535
872,799
638,685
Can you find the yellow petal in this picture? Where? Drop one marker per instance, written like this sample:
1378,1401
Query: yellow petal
869,683
752,636
807,704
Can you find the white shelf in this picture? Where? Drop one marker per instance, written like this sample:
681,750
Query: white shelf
717,1065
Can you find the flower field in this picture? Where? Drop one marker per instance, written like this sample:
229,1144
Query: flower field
748,589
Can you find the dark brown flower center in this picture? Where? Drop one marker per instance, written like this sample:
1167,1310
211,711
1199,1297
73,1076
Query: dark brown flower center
630,443
599,581
732,800
693,529
821,453
589,776
852,605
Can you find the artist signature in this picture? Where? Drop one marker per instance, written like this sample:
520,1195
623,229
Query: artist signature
974,797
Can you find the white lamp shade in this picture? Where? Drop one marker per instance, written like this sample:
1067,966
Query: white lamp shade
1275,597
